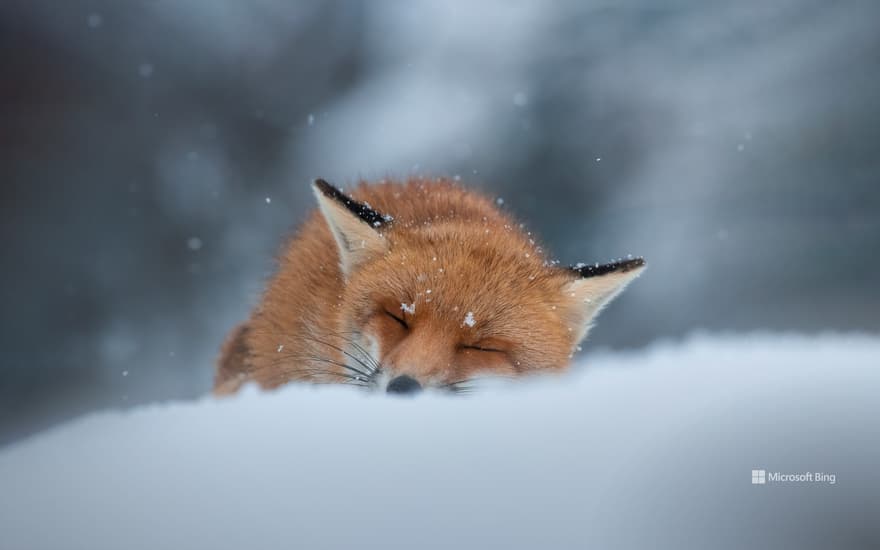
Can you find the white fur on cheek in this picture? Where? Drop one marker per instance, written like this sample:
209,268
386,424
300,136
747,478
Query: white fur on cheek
381,381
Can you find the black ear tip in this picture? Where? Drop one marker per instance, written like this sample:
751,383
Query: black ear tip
635,262
360,209
324,187
331,192
619,266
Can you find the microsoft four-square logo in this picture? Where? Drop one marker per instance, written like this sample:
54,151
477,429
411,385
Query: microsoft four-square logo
759,477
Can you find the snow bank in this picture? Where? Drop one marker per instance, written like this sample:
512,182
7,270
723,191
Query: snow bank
648,449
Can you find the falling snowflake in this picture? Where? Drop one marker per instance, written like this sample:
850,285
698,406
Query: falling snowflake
94,20
409,308
469,319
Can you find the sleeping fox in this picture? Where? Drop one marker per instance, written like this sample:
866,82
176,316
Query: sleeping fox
422,284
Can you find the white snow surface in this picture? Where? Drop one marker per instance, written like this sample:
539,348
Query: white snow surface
648,449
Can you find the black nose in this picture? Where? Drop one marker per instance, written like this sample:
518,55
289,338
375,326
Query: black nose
404,385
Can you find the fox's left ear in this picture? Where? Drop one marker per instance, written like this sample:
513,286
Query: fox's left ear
594,286
356,227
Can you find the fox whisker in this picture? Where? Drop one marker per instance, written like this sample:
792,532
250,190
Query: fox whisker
357,373
459,387
334,378
343,351
368,362
456,383
367,356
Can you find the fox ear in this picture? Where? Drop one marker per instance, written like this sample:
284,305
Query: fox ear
596,285
355,226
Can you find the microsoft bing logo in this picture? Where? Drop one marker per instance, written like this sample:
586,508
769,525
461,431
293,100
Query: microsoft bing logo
759,477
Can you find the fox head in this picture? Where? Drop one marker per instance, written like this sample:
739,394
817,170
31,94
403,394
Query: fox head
437,303
432,287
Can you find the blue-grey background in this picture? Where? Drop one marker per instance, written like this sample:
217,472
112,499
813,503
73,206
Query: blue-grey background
155,152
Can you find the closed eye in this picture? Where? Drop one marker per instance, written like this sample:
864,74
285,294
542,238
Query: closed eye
481,348
398,319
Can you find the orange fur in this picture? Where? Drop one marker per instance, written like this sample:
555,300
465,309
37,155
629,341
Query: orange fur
450,254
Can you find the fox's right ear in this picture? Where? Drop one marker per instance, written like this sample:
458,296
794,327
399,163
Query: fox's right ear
597,284
356,227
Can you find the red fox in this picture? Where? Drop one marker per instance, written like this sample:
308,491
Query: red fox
420,284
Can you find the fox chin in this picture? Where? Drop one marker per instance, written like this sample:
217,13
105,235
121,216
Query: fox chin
402,286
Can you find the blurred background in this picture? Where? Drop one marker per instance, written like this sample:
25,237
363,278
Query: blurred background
156,152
